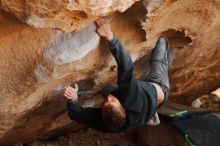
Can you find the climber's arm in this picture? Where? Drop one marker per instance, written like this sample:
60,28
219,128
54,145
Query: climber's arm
88,116
124,62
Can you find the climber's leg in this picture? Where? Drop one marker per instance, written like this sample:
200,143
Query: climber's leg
161,59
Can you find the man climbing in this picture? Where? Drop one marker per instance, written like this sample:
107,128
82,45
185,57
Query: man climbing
133,102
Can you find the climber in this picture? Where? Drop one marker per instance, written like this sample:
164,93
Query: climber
134,102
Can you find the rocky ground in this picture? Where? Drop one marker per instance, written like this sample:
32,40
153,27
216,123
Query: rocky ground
89,137
209,101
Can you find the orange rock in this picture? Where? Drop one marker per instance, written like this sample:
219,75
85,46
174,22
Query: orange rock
36,63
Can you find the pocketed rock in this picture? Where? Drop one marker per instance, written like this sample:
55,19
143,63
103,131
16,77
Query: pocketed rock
38,61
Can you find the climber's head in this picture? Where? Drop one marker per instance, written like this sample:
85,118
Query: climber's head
113,113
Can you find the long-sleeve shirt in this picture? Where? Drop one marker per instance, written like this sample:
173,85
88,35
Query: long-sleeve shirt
137,97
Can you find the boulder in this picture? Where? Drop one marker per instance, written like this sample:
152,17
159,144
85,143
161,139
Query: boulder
61,48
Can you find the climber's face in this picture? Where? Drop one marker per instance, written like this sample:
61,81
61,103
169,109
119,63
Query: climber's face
111,99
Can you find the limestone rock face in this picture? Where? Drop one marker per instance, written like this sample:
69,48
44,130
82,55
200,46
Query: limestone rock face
37,63
67,15
193,29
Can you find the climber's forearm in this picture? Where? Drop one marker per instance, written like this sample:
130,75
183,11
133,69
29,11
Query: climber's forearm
74,109
124,61
88,116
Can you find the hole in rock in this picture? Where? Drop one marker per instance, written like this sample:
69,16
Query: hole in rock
177,39
86,87
113,68
127,26
86,84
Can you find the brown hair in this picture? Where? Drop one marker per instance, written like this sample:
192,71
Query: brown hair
113,117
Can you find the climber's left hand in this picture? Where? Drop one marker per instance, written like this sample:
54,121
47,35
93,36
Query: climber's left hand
71,93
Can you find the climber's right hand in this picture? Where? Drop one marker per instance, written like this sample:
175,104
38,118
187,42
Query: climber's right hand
71,93
104,28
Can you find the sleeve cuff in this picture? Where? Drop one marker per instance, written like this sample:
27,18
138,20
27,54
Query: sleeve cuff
73,106
74,101
113,41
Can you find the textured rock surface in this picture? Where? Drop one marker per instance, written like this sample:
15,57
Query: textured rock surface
65,15
36,63
209,101
190,26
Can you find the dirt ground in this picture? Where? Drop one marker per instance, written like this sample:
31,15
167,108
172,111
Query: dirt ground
89,137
